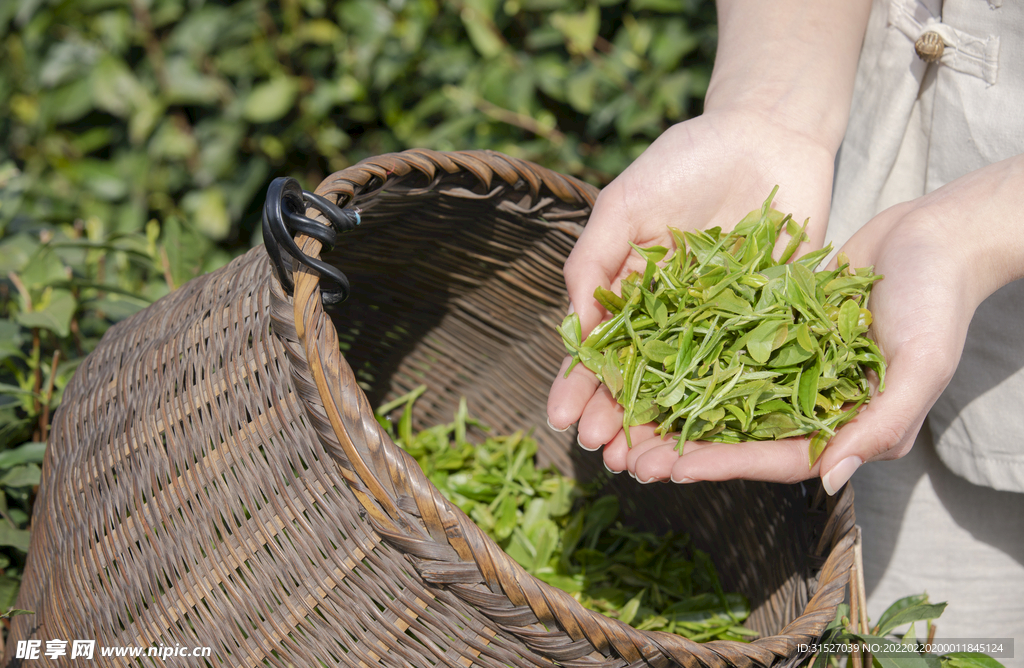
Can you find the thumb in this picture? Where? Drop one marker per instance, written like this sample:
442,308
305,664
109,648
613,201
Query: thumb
598,257
887,427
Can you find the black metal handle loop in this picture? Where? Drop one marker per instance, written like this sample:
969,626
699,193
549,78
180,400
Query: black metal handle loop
284,216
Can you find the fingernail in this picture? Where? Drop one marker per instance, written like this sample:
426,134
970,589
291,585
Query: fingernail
648,481
572,309
840,474
580,443
609,470
683,481
554,428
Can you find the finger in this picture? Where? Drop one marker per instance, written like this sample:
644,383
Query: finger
656,462
615,453
598,256
601,420
617,450
569,396
652,459
888,425
770,461
670,444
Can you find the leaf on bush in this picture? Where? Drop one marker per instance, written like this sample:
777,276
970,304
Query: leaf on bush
101,177
115,88
16,538
27,453
970,660
16,251
8,595
579,28
915,612
10,341
209,212
580,90
67,61
187,85
55,316
25,475
44,268
271,100
15,612
483,35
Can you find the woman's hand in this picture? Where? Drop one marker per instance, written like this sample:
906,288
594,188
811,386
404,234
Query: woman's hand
941,255
774,114
706,172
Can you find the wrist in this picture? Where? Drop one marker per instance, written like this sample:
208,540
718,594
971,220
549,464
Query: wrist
981,212
968,231
794,60
780,104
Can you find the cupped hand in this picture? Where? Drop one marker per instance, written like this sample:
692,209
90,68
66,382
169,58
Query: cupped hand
706,172
941,255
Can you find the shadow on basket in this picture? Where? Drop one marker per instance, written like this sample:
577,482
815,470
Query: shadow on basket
215,476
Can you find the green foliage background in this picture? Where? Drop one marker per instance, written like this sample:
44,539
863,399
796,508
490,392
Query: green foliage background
138,138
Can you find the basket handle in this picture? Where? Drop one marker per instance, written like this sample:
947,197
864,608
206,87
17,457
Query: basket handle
284,217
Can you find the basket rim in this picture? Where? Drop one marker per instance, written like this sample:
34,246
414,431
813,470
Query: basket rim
380,473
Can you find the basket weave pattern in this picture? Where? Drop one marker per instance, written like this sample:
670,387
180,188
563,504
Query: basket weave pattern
216,477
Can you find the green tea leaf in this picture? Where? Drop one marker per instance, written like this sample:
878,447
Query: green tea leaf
505,518
817,446
591,359
652,254
545,539
609,299
728,302
705,607
804,338
790,355
657,351
775,425
628,612
761,341
660,314
644,411
809,389
849,315
797,234
713,415
611,374
802,277
571,331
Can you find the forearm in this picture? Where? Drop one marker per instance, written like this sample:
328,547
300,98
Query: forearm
792,59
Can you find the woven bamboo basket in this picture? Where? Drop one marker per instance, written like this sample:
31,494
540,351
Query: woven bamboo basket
215,477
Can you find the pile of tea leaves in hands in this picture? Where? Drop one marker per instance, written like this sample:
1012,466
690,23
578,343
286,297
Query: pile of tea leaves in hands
568,535
719,341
